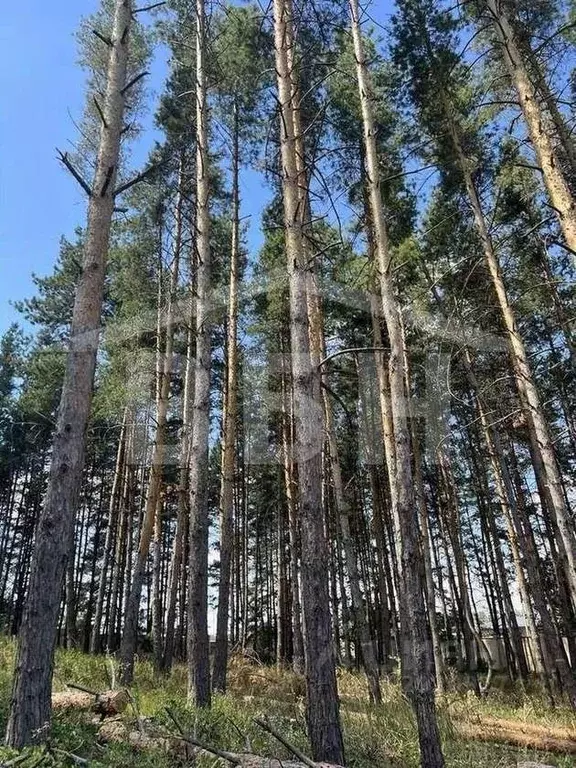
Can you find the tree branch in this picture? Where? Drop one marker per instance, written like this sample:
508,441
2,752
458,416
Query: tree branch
64,159
265,725
230,756
350,351
147,8
100,112
133,82
102,37
135,180
107,180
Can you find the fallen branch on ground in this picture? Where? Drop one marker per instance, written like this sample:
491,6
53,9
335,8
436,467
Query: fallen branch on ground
248,760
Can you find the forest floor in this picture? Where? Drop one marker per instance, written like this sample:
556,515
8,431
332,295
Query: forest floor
474,731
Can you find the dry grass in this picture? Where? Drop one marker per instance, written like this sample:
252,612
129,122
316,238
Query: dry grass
511,726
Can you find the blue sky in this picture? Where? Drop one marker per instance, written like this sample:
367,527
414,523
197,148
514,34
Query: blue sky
42,92
40,85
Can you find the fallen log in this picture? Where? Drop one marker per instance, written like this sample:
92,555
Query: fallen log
118,732
105,704
519,734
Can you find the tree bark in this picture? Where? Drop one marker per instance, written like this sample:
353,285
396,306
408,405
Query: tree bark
550,163
546,464
417,654
153,508
322,697
198,641
30,705
110,530
229,437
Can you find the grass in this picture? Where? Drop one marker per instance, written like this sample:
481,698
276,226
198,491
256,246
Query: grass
383,737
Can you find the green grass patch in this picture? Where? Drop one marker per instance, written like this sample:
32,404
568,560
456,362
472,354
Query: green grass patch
382,737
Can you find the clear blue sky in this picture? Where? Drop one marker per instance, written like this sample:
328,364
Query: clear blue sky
39,83
42,91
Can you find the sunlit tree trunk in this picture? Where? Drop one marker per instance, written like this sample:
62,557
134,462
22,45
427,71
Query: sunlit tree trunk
322,696
198,642
31,704
417,653
153,508
229,437
556,185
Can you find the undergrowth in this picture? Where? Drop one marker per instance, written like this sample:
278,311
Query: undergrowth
375,737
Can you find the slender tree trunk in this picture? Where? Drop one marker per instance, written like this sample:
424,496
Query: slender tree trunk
229,438
179,547
546,464
153,509
31,705
343,505
551,165
109,541
417,655
122,549
198,642
291,503
322,696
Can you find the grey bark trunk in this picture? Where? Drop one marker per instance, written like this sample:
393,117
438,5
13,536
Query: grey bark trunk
546,464
30,707
198,643
229,438
153,508
554,180
110,533
177,559
322,697
417,654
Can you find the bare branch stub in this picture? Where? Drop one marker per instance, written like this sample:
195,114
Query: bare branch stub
65,160
100,111
107,181
133,82
102,37
147,8
135,180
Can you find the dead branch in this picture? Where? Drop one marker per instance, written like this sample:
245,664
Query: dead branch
147,8
352,350
100,112
81,688
102,37
65,160
135,180
230,756
107,180
71,756
265,725
133,82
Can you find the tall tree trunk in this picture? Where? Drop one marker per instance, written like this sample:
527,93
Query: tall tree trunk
229,437
417,654
198,642
548,159
343,504
31,697
110,529
322,697
153,508
291,503
545,465
179,546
